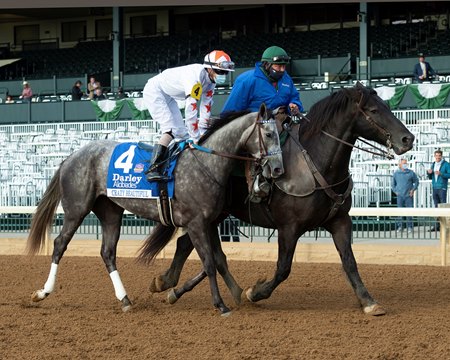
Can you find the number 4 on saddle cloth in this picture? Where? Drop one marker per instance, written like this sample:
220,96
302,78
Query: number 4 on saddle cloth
126,173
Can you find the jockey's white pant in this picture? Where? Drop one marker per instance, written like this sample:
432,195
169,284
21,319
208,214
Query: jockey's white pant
164,109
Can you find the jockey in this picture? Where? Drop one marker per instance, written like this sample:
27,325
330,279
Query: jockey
267,83
192,84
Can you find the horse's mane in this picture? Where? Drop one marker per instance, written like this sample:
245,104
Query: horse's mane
328,110
216,122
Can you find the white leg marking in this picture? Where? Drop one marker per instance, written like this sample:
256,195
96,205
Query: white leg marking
49,285
119,289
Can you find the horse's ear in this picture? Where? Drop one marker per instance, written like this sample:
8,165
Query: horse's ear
263,111
359,86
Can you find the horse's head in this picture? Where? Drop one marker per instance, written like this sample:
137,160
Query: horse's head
375,121
263,142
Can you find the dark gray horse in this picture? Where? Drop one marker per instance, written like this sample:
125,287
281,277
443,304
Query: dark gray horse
200,178
302,202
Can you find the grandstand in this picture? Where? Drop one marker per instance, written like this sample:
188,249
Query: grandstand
324,45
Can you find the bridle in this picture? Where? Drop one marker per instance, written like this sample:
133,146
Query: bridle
381,152
260,161
263,152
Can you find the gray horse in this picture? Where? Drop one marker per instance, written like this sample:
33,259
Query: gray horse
200,179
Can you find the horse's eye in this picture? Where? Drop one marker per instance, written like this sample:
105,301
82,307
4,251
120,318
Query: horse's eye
269,135
374,110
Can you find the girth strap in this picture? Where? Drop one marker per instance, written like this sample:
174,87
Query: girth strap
165,206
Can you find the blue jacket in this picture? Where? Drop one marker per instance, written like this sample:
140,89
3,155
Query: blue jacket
253,87
442,180
418,71
403,181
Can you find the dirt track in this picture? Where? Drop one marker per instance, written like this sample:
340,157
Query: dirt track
313,315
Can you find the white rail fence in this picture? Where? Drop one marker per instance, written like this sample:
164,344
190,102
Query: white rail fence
442,213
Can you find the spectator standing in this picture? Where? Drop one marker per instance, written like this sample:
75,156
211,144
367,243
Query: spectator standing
190,84
91,86
404,184
267,83
27,92
77,93
439,173
423,70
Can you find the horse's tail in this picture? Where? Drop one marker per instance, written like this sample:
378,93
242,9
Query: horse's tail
43,217
155,242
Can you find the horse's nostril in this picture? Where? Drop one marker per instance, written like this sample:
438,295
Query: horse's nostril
407,140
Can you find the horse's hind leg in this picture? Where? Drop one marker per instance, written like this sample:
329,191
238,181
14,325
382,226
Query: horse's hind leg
70,225
287,242
341,229
110,216
172,275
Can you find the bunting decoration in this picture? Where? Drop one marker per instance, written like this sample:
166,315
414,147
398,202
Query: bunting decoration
138,109
107,110
430,96
393,95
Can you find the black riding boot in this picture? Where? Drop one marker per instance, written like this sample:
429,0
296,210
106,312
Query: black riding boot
154,173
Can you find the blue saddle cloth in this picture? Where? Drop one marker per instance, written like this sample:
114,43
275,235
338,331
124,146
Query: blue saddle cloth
126,172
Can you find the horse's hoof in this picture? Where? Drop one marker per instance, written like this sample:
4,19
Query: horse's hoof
248,294
38,295
226,314
156,285
152,287
172,297
374,310
126,304
126,308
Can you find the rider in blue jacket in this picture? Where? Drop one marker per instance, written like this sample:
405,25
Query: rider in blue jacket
268,82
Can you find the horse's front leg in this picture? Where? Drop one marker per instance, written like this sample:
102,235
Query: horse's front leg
110,216
198,232
172,275
340,228
287,241
222,267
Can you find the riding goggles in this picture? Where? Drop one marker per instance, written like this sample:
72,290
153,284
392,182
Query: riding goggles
282,59
224,65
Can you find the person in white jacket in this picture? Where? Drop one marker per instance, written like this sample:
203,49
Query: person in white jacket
193,84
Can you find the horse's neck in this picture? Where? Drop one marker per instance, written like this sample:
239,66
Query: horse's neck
331,157
229,139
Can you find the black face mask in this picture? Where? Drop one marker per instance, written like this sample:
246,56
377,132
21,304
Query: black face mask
275,75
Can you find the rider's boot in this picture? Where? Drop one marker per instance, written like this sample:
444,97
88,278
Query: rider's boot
158,162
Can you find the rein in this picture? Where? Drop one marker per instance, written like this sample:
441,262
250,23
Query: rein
262,146
258,161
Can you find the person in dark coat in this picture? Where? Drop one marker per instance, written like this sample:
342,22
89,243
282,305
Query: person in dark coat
423,70
77,93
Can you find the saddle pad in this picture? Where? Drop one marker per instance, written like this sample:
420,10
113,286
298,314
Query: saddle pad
126,173
298,179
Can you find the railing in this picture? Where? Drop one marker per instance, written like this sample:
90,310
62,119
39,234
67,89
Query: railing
369,224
